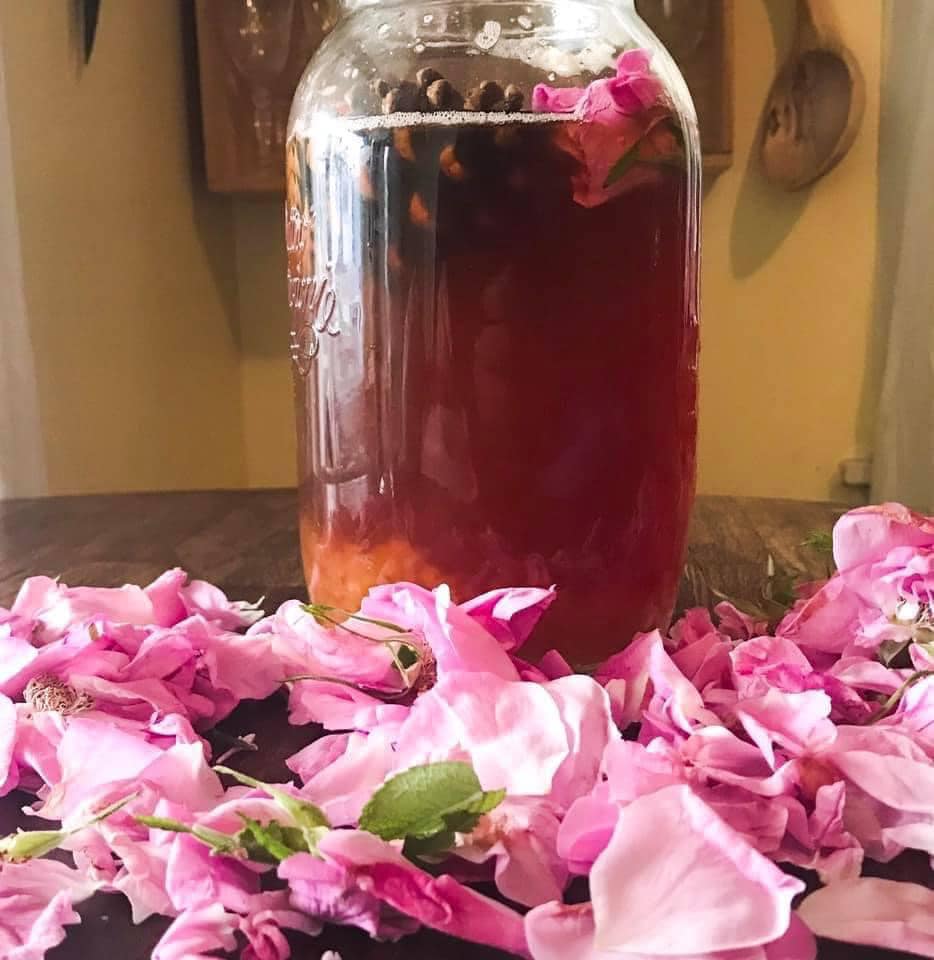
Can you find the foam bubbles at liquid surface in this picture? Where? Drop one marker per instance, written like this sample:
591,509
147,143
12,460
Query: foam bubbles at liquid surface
442,118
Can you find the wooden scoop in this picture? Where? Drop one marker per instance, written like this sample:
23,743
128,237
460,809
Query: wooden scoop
816,104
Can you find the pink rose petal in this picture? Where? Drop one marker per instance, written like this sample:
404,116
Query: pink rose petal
869,533
438,902
37,900
483,718
510,614
547,99
339,707
676,880
9,772
798,722
878,913
198,935
329,892
266,916
520,836
343,787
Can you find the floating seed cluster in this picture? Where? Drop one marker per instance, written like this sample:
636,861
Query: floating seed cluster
431,91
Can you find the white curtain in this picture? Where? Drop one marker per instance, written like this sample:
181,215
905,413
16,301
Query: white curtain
904,449
22,469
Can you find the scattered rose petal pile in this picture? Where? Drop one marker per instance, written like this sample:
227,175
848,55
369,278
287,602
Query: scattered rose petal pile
716,793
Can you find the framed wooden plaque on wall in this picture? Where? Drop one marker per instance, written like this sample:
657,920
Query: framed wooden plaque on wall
699,35
251,54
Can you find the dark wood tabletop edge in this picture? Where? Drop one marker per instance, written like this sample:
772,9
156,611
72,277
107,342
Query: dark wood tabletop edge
237,492
246,541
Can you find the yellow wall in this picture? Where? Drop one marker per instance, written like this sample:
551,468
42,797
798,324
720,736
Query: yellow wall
269,425
160,366
788,382
127,266
788,371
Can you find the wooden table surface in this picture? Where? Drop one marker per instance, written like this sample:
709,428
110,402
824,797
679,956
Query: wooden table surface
246,542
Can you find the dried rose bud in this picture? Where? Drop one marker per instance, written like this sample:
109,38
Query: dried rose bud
418,212
485,96
513,98
426,77
401,99
394,258
441,95
392,102
450,166
402,141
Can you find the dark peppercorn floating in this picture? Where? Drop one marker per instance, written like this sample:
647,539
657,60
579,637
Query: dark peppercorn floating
431,91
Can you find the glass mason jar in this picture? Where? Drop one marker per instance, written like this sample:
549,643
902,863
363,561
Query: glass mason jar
492,229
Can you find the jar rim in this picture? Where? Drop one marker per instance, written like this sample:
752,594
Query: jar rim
350,6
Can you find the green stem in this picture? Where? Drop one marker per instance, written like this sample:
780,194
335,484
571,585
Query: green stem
371,691
323,608
317,610
895,699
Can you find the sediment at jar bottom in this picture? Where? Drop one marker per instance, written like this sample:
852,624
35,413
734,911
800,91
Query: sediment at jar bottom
587,621
504,392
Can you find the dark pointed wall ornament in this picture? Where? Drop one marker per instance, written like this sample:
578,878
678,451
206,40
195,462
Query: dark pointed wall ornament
88,14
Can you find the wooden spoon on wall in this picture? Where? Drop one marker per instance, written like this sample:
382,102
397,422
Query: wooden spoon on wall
816,104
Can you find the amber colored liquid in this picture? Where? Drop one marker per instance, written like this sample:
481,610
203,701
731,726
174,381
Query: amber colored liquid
496,385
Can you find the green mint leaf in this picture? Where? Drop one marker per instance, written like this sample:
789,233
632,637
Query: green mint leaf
270,842
463,821
428,800
440,843
434,846
622,166
310,819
